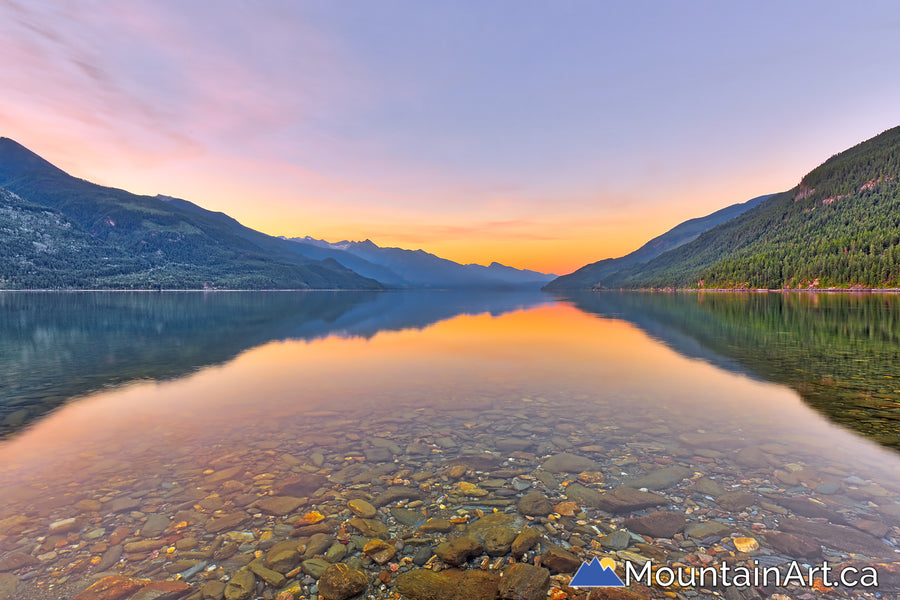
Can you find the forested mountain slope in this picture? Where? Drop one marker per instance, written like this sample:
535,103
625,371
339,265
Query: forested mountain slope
91,236
840,227
589,275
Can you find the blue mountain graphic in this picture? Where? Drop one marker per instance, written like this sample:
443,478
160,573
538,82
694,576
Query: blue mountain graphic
593,574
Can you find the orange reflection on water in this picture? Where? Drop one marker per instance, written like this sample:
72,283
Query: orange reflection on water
603,370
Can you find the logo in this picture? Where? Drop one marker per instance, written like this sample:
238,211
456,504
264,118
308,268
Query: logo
597,573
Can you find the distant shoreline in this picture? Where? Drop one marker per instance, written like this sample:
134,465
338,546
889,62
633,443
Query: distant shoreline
165,290
853,290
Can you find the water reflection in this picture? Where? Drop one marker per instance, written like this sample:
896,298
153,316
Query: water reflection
574,435
839,351
56,346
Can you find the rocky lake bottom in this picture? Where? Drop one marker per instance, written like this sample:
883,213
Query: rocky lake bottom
455,504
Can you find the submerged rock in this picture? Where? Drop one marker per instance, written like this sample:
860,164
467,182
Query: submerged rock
113,587
662,479
240,586
559,560
570,463
451,584
535,504
457,550
524,582
660,524
279,505
339,582
627,499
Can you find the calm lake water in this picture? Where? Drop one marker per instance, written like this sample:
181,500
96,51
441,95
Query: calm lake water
189,435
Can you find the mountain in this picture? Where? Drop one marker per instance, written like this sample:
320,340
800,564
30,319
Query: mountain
41,248
839,227
419,269
115,239
588,276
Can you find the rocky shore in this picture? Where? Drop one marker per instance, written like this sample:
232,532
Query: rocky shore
450,504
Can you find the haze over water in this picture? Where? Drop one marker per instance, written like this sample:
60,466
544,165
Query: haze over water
357,401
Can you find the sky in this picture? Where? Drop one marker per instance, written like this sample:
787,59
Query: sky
541,135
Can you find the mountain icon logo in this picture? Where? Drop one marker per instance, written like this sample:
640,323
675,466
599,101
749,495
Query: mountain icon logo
597,573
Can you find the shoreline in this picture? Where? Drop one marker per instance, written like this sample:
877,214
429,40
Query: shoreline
854,290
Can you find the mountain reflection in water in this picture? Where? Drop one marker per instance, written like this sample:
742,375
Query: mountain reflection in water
839,351
57,346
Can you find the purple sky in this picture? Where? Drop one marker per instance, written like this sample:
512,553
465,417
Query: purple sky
539,134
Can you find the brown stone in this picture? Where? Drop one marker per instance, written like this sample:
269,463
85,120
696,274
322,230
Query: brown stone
379,551
808,508
584,496
567,509
279,505
370,528
661,524
119,533
838,537
456,471
222,475
283,556
436,525
457,551
240,586
114,587
450,584
525,541
8,585
661,479
302,484
273,578
735,501
340,582
397,492
535,504
144,546
497,540
560,561
566,462
110,557
626,499
163,590
226,522
525,582
16,560
214,590
794,545
362,509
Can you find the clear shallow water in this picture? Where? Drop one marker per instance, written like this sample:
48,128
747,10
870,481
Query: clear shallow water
225,399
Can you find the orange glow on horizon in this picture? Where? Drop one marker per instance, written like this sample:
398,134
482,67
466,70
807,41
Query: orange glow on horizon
290,201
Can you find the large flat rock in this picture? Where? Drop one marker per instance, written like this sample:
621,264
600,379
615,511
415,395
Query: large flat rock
627,499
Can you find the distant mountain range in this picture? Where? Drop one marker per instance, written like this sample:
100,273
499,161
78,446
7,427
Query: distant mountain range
61,232
840,227
417,268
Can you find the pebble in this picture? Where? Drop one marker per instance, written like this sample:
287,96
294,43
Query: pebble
509,492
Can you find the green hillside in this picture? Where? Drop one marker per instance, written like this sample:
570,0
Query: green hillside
840,227
587,276
41,248
115,239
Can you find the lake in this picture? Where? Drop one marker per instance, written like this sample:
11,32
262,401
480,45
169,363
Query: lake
241,443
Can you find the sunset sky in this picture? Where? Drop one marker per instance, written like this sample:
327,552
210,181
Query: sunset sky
542,135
